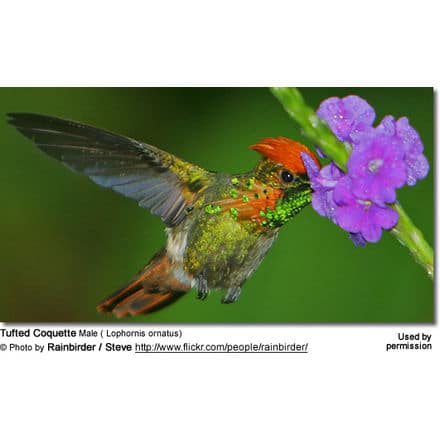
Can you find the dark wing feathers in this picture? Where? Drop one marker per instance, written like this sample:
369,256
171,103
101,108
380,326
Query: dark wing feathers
157,180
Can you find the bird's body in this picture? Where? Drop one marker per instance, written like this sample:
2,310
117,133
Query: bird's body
216,250
219,226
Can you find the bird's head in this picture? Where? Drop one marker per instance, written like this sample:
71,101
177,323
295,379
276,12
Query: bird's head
282,167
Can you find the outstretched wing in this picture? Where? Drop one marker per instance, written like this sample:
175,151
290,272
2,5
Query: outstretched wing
159,181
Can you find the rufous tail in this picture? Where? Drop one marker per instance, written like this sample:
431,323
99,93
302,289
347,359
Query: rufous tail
150,290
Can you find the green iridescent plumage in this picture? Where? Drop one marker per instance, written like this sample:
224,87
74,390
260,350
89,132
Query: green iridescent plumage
286,209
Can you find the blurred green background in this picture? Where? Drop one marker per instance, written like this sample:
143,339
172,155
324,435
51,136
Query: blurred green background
68,243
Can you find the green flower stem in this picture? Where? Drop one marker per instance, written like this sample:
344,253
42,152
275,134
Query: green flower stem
318,131
406,232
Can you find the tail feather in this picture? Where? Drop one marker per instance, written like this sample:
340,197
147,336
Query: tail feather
149,291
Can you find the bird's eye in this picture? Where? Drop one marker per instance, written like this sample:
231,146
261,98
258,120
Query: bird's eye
286,176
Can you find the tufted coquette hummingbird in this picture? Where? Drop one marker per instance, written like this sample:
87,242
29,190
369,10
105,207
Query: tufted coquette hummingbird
219,226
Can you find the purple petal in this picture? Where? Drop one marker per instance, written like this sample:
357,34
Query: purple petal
357,239
347,115
319,203
375,189
350,218
384,194
393,173
371,232
418,168
386,218
310,165
360,136
326,173
322,182
383,150
359,158
372,188
329,176
362,113
377,168
387,126
362,187
342,194
409,136
411,144
323,204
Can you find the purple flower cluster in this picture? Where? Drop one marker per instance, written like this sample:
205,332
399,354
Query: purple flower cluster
383,158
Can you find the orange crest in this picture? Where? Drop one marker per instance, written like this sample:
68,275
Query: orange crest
286,152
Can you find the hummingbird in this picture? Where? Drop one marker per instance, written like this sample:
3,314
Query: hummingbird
219,226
